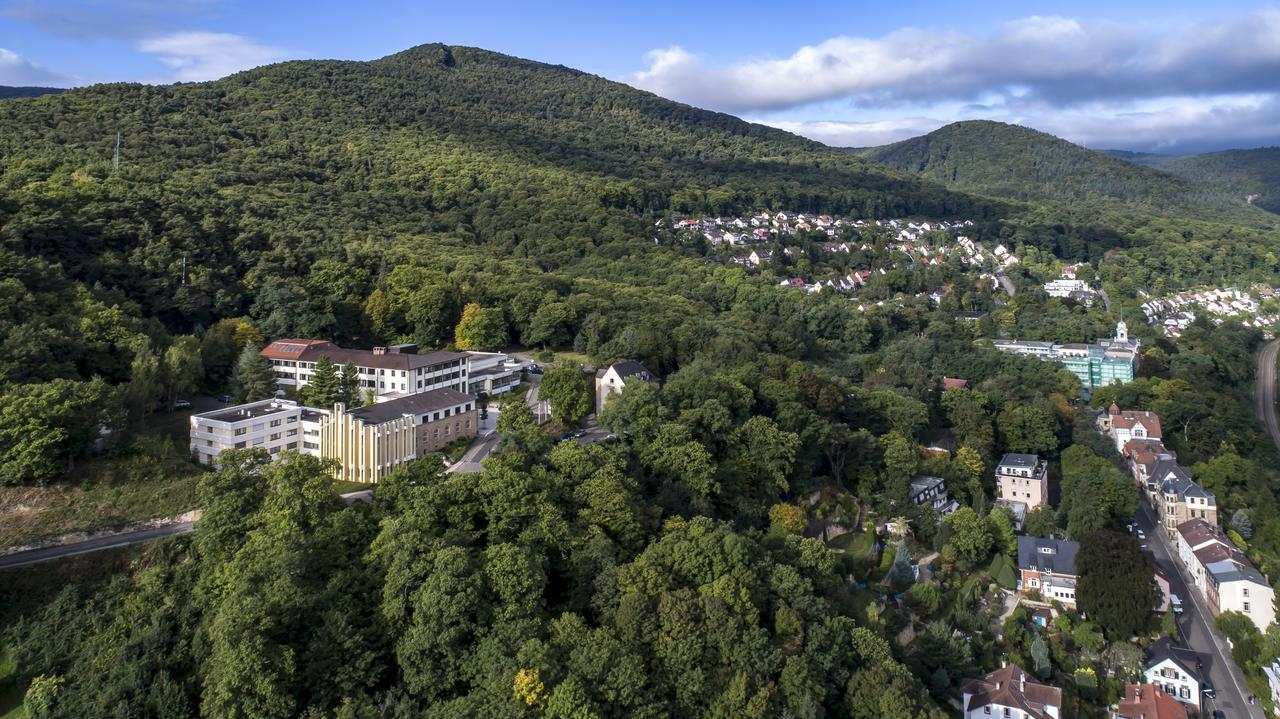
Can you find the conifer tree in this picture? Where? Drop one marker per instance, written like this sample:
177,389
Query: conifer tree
349,385
324,388
253,378
901,574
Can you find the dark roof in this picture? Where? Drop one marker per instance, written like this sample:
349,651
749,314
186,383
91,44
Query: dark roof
251,410
419,403
1014,459
1047,555
1164,648
627,369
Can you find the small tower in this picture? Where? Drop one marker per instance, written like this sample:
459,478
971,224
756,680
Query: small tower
1122,332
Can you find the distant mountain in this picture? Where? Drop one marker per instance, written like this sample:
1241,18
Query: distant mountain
1010,161
1249,174
9,91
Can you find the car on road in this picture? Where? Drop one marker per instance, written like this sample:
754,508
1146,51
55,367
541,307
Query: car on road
182,404
535,369
1217,714
1142,534
1206,688
1175,603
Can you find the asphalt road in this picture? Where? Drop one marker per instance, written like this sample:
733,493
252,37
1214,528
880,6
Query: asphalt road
1265,392
1006,283
124,539
475,454
1194,627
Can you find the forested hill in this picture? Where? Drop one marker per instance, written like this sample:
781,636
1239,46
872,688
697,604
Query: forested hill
1002,160
1239,173
8,91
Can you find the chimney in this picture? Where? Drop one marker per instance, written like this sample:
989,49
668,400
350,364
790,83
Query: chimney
379,350
1022,682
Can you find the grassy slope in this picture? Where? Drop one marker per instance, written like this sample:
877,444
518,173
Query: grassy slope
1010,161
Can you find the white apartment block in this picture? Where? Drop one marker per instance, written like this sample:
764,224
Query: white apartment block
274,425
390,372
492,373
1022,482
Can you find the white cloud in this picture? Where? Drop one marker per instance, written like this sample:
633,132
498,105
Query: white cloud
196,56
1174,126
18,70
858,134
1050,60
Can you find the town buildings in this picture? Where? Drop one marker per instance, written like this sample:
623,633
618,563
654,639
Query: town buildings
1048,567
617,376
1272,673
274,425
1166,485
393,371
1110,361
1074,289
1222,574
1009,692
1148,701
1022,484
368,442
1176,670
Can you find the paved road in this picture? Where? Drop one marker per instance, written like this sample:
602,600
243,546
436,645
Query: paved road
124,539
1194,628
1006,283
1265,391
475,454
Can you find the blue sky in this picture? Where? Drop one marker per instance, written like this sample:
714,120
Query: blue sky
1167,76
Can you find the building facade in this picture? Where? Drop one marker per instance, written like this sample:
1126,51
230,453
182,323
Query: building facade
368,442
932,492
1022,484
1110,361
1148,701
1223,575
1176,670
621,374
492,373
394,371
273,425
1048,567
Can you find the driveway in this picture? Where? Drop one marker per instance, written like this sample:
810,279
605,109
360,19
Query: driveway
122,539
1194,626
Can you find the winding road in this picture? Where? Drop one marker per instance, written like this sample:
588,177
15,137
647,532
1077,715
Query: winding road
1265,392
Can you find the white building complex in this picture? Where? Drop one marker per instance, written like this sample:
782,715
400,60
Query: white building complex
275,425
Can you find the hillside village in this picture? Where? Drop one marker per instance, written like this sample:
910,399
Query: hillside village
1252,308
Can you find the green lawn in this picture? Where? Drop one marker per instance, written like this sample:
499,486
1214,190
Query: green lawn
342,486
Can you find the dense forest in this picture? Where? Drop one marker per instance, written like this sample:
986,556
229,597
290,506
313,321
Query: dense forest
672,571
10,91
1240,173
1001,160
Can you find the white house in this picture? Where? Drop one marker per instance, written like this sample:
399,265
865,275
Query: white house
274,425
1176,670
492,373
617,376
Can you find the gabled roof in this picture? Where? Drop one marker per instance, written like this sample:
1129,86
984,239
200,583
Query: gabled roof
1197,532
1174,479
1164,649
1148,701
1011,687
413,404
1130,418
626,369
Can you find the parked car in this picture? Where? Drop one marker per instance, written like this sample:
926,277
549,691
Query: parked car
1175,603
535,369
225,398
182,404
1206,688
1141,534
1217,714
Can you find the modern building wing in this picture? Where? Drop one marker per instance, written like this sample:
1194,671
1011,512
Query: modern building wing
1110,361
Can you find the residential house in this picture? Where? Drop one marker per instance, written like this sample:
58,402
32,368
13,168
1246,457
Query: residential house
1148,701
1178,498
1022,483
1176,670
932,492
1223,575
759,257
1131,424
392,371
954,383
369,442
1048,567
1064,287
1009,692
617,376
1272,673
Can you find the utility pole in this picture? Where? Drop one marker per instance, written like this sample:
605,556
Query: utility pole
115,164
184,270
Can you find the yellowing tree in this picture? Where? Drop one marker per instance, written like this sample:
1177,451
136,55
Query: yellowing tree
481,328
528,687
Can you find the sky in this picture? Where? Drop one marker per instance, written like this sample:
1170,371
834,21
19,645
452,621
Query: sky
1176,76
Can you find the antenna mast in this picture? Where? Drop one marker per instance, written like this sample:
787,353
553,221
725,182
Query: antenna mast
115,163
